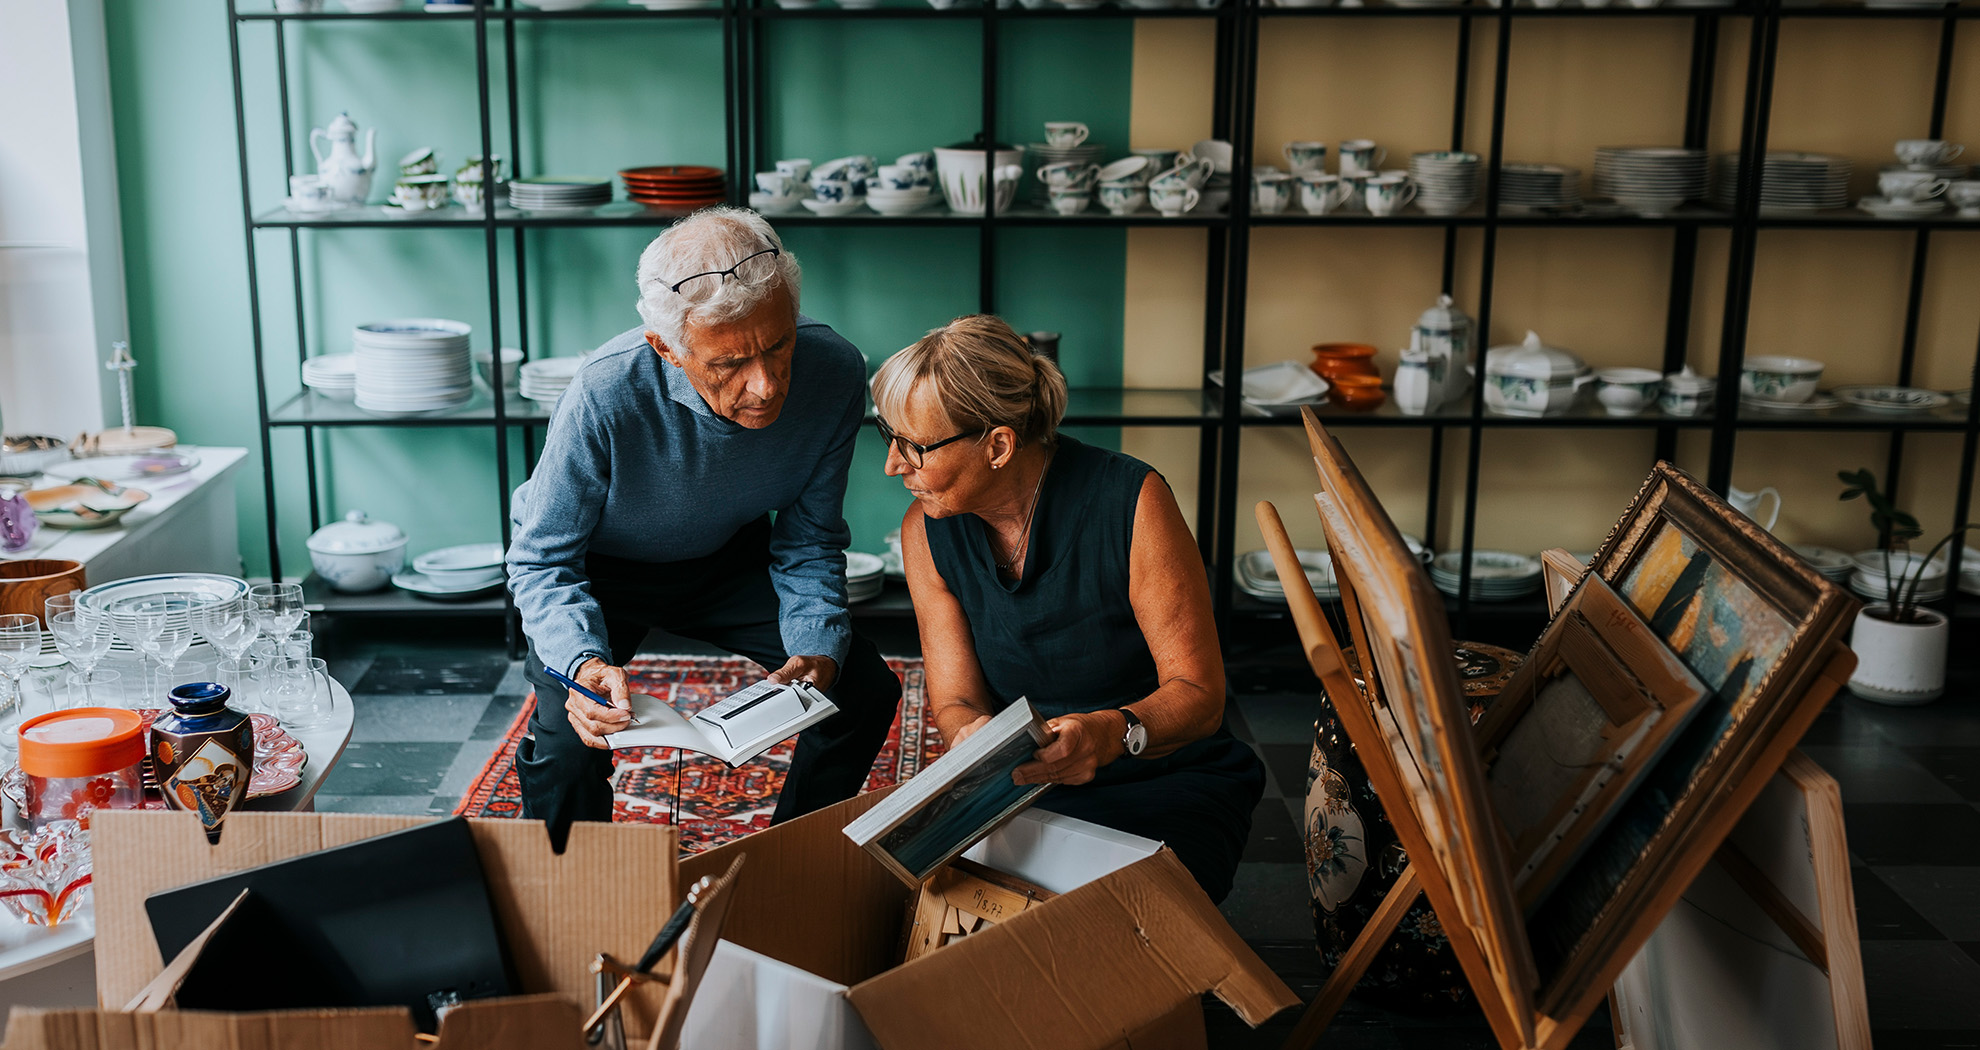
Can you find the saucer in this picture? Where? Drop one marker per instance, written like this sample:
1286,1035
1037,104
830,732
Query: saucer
773,205
1896,399
1815,403
1885,208
818,207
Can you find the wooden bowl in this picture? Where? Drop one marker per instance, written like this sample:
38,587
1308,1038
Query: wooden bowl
26,584
1333,360
1357,393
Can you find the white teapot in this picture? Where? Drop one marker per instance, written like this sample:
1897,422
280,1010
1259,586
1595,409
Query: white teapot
347,174
1748,503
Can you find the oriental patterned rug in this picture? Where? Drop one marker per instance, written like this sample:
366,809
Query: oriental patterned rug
714,804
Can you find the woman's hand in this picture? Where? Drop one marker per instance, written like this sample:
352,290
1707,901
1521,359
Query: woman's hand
592,722
1081,744
963,733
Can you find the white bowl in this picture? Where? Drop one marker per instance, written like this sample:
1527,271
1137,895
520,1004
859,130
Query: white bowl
357,573
1779,378
511,368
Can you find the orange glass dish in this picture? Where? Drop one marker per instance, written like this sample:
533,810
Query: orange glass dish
1357,393
1333,360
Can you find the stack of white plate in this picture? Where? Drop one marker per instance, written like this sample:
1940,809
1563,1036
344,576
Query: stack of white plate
466,571
416,364
1650,180
1496,576
1539,186
866,576
900,202
556,5
676,5
1258,577
1969,569
1871,582
120,600
559,192
546,379
1038,154
1834,565
1446,181
332,375
1797,181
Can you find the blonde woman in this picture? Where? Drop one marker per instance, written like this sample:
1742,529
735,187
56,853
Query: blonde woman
1050,569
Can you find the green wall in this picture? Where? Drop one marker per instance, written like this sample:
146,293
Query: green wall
593,98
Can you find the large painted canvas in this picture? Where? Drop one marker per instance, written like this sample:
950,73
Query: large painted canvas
1710,617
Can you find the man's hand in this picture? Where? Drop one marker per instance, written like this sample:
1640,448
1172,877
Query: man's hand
820,671
592,722
1081,744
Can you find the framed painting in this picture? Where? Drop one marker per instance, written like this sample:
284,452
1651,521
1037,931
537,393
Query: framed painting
1757,626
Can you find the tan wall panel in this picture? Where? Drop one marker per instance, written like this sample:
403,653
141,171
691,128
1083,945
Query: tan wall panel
1575,85
1275,464
1600,293
1345,284
1173,452
1391,80
1174,83
1554,488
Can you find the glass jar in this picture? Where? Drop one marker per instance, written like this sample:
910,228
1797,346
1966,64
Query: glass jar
81,760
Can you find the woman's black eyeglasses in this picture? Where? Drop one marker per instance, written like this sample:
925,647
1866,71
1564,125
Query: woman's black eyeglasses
911,452
731,271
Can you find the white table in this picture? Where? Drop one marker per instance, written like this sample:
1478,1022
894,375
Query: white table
188,525
40,966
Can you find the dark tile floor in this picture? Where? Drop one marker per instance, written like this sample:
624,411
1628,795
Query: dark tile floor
433,702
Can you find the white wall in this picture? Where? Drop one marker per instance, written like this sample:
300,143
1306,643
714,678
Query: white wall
61,266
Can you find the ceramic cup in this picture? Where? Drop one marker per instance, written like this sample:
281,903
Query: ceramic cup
308,193
1217,151
1386,194
1271,191
1193,171
1172,201
419,192
1320,194
1123,197
1064,134
897,177
1927,153
1627,391
1965,195
1361,156
1159,160
1910,185
922,161
1068,175
422,161
1305,157
1126,169
1412,383
1071,201
798,168
776,183
860,167
1356,185
832,191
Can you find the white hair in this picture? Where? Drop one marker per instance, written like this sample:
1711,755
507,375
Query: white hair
711,239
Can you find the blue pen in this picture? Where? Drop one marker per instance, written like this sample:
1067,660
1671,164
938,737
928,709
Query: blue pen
588,694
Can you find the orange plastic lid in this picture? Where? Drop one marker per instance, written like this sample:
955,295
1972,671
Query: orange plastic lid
81,742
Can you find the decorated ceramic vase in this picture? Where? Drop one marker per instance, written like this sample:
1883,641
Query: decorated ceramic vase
203,753
1353,856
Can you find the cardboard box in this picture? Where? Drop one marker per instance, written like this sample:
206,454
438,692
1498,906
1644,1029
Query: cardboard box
1120,959
613,886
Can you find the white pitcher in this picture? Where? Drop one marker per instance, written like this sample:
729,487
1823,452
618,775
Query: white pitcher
1748,503
347,174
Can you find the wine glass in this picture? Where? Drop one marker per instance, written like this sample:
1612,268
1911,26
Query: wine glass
20,640
278,607
228,626
82,636
174,637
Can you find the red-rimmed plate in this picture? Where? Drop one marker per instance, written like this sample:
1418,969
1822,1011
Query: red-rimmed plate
672,173
279,758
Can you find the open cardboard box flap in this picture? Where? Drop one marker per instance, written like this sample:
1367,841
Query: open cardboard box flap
524,1021
1088,970
611,888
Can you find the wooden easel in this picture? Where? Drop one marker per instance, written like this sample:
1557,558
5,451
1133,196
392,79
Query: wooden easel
1410,741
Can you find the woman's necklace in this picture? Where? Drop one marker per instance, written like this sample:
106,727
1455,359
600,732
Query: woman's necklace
1024,531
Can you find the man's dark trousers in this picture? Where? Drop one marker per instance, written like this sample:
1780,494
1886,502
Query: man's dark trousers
724,599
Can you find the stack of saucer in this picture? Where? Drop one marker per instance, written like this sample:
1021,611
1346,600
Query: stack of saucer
1258,577
1797,181
1496,576
1038,155
559,192
1871,579
1834,565
1650,180
417,364
900,202
1446,181
455,572
1896,208
545,380
332,375
866,576
1539,186
679,186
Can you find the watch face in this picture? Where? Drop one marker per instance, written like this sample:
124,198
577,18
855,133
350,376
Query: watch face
1136,739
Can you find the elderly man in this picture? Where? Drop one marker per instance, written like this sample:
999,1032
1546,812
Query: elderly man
652,504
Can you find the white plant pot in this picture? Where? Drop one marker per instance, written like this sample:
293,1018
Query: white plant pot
1899,663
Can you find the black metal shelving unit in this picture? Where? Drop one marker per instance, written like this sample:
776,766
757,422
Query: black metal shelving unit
1216,412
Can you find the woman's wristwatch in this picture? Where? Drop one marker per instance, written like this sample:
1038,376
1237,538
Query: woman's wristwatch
1135,740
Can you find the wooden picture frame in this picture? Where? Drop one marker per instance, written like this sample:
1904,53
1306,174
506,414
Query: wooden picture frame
1577,728
1762,951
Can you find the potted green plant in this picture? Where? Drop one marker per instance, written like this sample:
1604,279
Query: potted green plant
1900,646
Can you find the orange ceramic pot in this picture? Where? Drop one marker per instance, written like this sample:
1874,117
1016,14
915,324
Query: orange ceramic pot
1333,360
1357,393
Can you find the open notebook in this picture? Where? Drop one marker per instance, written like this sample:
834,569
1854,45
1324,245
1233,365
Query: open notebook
734,730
